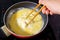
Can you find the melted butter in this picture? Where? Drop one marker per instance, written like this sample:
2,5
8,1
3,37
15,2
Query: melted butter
18,22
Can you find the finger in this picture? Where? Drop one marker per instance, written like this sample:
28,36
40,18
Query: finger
51,13
42,2
47,11
44,10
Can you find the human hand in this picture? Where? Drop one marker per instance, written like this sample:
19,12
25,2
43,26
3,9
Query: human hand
51,6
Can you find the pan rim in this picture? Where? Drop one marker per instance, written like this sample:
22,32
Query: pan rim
14,5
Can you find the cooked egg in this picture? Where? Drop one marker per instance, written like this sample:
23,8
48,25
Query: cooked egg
18,22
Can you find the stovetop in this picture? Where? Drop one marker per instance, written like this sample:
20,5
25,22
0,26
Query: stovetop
47,34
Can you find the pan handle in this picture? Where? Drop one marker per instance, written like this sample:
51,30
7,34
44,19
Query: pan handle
4,32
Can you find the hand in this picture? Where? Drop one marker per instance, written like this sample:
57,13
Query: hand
51,6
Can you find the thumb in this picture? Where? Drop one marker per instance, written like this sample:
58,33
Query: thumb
42,2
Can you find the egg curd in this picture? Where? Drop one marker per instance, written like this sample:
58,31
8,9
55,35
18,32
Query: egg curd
18,22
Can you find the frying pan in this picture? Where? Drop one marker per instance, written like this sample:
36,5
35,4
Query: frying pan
6,31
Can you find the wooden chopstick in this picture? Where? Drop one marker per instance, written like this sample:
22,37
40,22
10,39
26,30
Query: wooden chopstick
33,9
35,15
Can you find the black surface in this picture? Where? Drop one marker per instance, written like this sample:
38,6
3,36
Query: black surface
52,31
2,34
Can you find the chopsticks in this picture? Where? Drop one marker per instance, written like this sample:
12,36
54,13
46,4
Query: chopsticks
34,9
35,14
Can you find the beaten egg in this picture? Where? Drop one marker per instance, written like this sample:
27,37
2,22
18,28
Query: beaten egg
18,22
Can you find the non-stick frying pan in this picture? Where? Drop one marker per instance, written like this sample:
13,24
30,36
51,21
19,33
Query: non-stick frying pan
6,31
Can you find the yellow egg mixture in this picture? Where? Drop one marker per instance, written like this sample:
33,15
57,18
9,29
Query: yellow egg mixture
18,22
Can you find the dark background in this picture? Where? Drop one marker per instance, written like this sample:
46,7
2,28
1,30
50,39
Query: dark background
51,32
